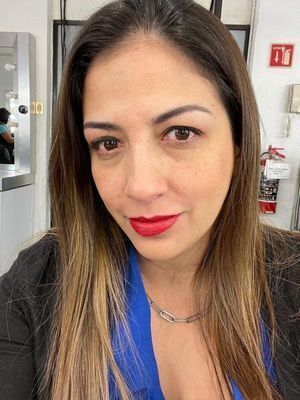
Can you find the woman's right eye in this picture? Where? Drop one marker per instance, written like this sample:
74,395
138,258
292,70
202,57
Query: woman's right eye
105,145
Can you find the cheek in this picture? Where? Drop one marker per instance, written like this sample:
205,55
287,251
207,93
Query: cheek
107,184
208,179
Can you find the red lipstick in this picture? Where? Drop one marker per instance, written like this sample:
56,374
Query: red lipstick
154,225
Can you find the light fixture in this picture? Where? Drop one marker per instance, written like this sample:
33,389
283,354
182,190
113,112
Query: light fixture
9,67
9,94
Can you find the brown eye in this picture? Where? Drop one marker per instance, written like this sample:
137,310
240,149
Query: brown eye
181,134
105,144
110,144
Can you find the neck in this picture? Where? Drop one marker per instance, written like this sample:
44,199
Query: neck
170,283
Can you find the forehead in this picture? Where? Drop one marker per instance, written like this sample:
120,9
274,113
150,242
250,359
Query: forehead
147,47
144,69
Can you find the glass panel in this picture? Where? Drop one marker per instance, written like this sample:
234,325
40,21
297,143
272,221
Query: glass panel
8,96
17,95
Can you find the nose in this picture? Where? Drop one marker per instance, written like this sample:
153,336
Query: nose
145,174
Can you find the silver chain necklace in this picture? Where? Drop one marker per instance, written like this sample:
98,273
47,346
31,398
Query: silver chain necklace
171,318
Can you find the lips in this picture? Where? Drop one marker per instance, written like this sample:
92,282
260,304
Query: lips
154,225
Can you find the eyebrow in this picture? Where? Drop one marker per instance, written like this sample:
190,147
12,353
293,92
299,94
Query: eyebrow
155,121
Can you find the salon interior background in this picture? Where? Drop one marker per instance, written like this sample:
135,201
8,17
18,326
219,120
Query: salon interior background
270,23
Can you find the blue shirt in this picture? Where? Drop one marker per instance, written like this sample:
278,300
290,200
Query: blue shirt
140,369
3,128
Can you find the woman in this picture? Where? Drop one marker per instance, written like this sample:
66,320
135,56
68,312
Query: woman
6,139
157,280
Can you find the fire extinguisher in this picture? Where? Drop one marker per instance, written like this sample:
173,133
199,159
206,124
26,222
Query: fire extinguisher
268,188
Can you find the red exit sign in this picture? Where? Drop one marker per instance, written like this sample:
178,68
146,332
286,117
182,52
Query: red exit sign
281,55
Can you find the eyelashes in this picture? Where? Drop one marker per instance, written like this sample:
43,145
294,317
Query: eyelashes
182,133
176,135
109,143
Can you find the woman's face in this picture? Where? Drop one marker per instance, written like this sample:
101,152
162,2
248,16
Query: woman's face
161,145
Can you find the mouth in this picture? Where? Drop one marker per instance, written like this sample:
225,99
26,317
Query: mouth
154,225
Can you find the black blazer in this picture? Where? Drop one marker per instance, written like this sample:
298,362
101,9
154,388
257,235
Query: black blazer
26,298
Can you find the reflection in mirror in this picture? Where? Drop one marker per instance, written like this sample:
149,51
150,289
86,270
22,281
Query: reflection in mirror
8,106
17,93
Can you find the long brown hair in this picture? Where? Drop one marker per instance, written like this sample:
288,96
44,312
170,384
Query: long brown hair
92,248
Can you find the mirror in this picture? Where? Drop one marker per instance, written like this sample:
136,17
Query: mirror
8,86
16,95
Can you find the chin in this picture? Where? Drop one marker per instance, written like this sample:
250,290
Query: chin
157,249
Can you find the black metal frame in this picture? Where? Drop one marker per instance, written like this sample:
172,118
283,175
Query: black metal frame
216,7
243,28
56,24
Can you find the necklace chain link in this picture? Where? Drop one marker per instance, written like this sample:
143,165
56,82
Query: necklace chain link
170,317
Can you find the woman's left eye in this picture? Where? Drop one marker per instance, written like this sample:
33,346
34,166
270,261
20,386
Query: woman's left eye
181,133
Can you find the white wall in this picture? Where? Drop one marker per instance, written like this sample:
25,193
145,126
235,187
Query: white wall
16,214
237,12
78,9
35,16
277,24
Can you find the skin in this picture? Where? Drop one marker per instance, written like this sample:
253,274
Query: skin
7,136
148,169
